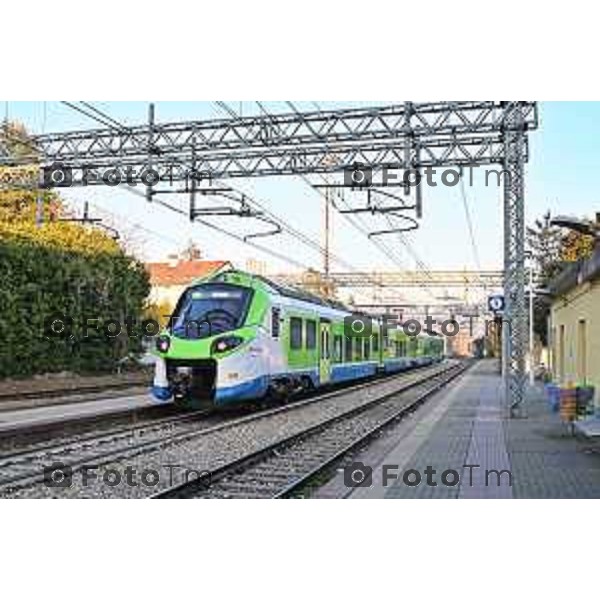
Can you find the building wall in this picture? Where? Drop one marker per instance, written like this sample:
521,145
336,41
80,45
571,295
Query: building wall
575,336
460,345
169,294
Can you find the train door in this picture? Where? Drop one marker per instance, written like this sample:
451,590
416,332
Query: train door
325,352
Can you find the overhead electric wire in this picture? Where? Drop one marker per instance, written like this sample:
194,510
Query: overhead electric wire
133,224
470,224
388,253
102,114
380,244
100,117
230,234
106,119
224,106
80,110
205,223
404,241
297,234
354,220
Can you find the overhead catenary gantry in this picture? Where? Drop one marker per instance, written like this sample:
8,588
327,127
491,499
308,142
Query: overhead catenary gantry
407,136
404,136
405,279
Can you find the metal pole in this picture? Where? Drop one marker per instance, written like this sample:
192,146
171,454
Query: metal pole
149,190
531,339
326,254
514,257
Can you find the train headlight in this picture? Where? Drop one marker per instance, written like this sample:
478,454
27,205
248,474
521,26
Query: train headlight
163,343
224,344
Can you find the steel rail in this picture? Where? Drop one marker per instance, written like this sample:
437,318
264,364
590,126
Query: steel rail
155,444
202,484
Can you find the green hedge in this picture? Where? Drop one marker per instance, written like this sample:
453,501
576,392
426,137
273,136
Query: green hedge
38,280
59,268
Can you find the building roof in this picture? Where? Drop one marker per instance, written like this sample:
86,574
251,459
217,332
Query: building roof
182,272
577,273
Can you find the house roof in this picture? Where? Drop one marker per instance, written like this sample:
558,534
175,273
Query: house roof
183,272
577,273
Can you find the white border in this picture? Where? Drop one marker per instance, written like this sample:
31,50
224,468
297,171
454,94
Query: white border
293,549
325,50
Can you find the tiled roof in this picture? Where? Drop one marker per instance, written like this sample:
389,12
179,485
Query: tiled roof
183,272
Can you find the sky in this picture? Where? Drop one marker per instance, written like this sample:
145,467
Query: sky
564,160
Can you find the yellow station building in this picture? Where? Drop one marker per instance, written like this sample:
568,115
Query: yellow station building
575,324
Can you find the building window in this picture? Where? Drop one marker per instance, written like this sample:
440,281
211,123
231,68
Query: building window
275,325
295,333
311,335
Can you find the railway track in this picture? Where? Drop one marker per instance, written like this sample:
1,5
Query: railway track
23,435
13,400
27,465
25,468
286,467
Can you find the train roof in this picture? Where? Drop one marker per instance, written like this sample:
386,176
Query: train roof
273,286
285,291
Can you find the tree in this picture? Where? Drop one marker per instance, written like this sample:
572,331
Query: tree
576,246
551,250
61,268
544,242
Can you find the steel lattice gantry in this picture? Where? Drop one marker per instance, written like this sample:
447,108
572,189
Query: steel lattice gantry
404,279
409,135
402,136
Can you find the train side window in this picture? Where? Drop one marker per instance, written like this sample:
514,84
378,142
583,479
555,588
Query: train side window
366,348
295,333
375,342
348,349
275,322
311,335
414,345
358,349
337,348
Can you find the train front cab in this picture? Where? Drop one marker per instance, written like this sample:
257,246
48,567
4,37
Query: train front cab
206,354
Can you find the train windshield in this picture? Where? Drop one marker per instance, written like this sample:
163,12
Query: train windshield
210,309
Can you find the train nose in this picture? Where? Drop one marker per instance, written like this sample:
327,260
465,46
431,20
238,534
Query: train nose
192,381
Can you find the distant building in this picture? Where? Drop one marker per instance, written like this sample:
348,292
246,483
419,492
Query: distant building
169,279
575,324
461,344
256,267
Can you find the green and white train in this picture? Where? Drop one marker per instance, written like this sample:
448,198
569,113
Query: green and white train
237,337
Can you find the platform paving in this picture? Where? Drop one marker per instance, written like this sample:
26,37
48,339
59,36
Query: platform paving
468,424
18,420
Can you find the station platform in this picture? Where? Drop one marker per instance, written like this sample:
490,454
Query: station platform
535,456
19,420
